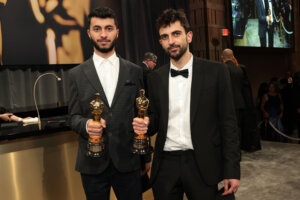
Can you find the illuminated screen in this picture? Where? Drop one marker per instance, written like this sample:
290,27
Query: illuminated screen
262,23
43,31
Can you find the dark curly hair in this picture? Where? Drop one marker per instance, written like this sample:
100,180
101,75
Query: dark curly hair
102,12
170,16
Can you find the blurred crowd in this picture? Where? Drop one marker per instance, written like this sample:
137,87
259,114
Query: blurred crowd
278,101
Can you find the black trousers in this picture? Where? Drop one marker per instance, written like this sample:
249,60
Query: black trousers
127,186
270,32
178,174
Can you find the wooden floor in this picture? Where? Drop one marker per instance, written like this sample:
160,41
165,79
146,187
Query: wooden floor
42,168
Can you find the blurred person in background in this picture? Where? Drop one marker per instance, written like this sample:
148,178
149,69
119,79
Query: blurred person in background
272,108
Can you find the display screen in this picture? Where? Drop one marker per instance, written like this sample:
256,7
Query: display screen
262,23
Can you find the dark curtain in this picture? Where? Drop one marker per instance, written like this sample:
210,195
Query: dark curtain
139,27
16,93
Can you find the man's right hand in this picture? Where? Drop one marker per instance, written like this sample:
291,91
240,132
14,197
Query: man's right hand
140,126
6,116
96,128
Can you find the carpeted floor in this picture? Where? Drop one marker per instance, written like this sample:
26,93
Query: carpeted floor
272,173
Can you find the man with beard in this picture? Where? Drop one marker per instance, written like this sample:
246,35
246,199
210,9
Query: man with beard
118,82
192,112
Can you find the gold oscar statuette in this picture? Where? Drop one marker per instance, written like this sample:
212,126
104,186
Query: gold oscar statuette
141,142
95,145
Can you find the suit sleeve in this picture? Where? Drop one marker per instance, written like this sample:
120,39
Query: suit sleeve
261,16
77,121
152,111
228,127
139,83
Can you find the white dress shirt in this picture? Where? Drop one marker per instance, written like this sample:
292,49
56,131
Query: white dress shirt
270,7
108,73
179,129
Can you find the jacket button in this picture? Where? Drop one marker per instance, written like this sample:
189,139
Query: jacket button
109,134
110,114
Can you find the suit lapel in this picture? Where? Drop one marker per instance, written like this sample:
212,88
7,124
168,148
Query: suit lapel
164,77
123,76
197,84
92,76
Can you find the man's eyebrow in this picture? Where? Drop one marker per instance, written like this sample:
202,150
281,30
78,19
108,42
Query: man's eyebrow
177,31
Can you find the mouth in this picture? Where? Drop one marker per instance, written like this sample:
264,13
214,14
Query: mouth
103,42
173,48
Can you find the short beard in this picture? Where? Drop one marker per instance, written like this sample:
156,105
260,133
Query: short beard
104,50
179,55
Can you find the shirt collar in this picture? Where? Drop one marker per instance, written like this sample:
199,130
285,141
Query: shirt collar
187,66
113,59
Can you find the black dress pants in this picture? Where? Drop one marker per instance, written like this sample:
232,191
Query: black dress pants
179,174
127,186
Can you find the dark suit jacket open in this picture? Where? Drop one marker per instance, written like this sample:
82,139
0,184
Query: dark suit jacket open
213,124
118,134
262,18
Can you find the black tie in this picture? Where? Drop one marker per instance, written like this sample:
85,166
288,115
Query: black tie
184,73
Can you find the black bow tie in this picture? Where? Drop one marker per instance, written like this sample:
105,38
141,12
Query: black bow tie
184,73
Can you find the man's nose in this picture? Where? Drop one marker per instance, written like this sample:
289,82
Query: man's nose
103,34
171,40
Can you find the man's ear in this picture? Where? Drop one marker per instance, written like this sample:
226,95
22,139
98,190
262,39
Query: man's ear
88,32
189,36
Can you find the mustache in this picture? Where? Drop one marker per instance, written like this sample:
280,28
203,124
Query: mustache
173,45
103,40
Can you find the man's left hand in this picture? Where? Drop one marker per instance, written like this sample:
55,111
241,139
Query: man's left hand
147,168
230,186
140,126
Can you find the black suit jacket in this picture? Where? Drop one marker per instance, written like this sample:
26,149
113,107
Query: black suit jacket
213,124
262,18
146,72
237,79
118,134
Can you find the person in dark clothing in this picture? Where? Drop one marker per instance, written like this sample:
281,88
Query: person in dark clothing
119,82
286,91
262,90
296,98
148,65
243,102
197,141
264,10
272,108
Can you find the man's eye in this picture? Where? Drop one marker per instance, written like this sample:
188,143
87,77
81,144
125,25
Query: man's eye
164,37
177,34
96,29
